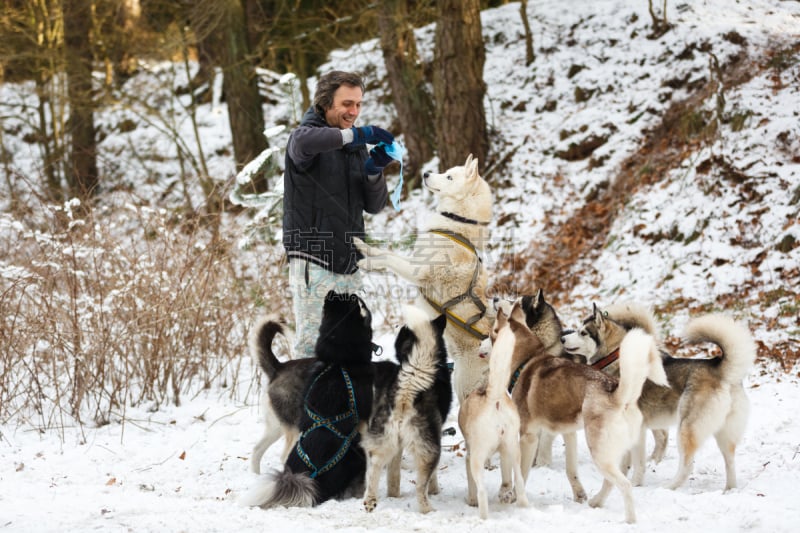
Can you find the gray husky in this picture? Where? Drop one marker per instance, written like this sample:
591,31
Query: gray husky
602,353
411,403
557,395
542,319
282,401
705,396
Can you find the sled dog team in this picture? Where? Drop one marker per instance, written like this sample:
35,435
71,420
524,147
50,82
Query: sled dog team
519,379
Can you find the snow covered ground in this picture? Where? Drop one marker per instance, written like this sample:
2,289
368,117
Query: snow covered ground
183,468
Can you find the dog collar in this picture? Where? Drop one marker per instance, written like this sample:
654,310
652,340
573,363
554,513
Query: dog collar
459,218
515,376
607,360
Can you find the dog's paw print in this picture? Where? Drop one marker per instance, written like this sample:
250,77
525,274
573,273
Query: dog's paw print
370,504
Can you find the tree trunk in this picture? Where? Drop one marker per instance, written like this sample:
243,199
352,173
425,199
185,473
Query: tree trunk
118,20
407,80
458,83
523,11
240,84
82,175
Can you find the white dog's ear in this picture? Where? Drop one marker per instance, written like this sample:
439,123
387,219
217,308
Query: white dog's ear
472,168
517,314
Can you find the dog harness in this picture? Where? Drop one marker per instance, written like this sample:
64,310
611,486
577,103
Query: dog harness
468,324
329,423
607,360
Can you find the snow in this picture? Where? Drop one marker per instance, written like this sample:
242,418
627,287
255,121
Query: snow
184,468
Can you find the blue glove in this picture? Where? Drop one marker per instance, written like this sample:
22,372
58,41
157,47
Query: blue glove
378,159
371,135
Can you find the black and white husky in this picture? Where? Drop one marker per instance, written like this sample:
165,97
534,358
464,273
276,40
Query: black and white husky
326,462
411,403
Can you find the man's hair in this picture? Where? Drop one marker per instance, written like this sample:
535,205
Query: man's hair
327,85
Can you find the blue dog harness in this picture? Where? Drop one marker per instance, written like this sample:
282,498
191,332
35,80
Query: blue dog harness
329,423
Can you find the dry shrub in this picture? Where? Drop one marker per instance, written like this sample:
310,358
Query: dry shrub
125,309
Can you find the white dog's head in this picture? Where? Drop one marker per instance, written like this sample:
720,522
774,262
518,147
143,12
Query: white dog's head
461,191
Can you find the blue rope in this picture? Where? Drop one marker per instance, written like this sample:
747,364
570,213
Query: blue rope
321,422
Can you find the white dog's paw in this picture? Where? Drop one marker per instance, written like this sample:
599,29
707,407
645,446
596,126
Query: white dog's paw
370,504
362,247
507,494
596,501
371,264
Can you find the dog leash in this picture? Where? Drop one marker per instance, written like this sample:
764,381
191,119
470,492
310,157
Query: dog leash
607,360
468,324
321,422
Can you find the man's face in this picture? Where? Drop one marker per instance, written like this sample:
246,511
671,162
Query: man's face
346,107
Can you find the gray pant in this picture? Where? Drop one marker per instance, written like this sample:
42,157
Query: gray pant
308,297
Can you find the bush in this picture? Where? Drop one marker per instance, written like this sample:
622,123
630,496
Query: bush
100,314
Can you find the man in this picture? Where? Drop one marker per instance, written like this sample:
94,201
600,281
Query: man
329,181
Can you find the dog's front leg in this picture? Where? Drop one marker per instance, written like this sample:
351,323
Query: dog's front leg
661,437
528,442
544,452
375,259
375,466
433,486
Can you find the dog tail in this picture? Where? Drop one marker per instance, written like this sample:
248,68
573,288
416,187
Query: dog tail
261,344
632,315
638,360
500,364
283,489
733,338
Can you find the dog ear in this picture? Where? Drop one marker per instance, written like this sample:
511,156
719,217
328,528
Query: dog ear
539,299
472,168
517,315
499,322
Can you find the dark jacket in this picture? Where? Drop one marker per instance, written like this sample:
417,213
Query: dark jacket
326,192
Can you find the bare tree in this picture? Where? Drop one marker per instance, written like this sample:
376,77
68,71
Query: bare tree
82,174
225,21
660,24
31,40
458,83
117,22
407,80
523,12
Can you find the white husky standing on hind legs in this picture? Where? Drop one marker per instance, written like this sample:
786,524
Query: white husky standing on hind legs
446,267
